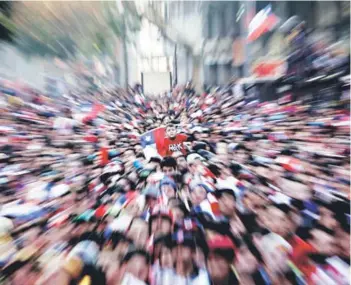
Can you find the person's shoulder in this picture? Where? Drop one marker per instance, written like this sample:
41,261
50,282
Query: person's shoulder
182,136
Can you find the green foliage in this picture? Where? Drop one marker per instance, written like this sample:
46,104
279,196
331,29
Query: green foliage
5,28
55,30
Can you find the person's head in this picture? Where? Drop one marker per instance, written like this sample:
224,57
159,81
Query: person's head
166,257
295,216
137,264
343,236
128,154
226,201
248,258
151,201
25,272
138,232
160,223
327,216
155,163
120,243
279,219
171,131
133,208
252,200
197,194
124,184
220,258
168,165
193,160
183,249
241,156
323,240
179,211
168,187
181,162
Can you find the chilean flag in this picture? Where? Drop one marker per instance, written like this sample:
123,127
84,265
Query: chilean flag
263,22
154,139
95,110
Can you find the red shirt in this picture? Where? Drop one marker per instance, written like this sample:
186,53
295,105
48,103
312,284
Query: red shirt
299,256
100,211
177,144
91,138
104,156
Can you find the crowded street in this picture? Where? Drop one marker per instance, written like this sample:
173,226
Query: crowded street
175,176
156,191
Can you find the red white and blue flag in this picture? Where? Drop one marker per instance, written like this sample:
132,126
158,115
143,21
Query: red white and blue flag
264,21
153,139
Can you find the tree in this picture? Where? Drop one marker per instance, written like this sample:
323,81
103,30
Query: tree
72,29
5,9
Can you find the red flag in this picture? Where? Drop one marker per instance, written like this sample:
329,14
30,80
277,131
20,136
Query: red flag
154,138
97,108
264,21
159,135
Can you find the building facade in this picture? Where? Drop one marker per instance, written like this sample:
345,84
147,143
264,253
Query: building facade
210,36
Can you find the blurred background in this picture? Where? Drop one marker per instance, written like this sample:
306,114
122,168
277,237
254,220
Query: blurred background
55,47
175,142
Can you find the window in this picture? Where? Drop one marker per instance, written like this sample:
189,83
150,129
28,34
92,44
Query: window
209,23
213,74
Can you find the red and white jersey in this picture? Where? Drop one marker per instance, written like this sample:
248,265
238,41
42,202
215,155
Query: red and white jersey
175,145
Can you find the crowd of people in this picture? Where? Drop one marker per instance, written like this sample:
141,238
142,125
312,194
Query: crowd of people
185,188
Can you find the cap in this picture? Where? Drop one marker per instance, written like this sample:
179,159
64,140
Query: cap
151,191
168,181
191,158
220,242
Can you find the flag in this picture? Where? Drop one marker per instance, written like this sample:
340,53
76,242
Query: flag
263,22
209,206
290,163
95,110
154,139
58,219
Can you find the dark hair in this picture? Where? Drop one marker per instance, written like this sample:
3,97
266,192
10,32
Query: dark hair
219,193
117,237
169,161
324,229
92,236
227,254
155,159
283,207
139,252
130,182
214,169
12,268
140,155
135,219
252,248
170,126
152,218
